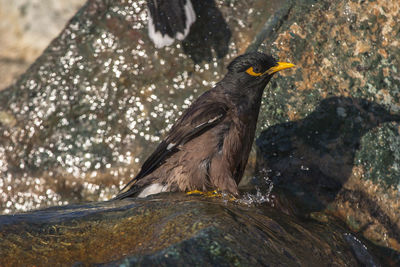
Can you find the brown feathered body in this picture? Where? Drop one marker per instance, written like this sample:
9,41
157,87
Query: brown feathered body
209,145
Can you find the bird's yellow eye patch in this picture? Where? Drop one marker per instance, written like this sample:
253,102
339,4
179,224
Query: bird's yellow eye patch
252,73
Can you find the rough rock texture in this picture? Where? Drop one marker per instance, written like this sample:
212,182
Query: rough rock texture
332,137
174,230
26,29
78,123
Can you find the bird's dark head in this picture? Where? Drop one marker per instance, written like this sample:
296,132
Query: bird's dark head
254,69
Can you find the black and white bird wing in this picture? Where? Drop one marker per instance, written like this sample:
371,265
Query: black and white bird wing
169,20
200,117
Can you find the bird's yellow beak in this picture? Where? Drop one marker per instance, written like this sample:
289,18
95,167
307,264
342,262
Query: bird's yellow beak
280,66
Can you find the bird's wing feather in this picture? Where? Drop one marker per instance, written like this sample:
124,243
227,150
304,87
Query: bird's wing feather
200,117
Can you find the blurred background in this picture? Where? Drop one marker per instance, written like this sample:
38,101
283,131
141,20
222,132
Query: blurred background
26,29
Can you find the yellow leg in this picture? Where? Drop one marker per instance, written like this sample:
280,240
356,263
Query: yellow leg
195,192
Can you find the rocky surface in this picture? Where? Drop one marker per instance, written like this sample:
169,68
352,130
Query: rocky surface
332,136
174,230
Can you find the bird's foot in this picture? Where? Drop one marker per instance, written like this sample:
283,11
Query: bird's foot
214,193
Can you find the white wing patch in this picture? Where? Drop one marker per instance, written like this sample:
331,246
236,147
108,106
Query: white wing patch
210,121
170,146
190,19
215,118
153,189
161,40
158,39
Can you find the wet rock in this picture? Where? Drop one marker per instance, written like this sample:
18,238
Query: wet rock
173,229
101,96
330,128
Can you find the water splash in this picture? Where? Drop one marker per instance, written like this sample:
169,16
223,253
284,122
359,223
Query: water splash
261,192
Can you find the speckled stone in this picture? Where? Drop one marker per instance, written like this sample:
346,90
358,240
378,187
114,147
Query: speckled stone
330,129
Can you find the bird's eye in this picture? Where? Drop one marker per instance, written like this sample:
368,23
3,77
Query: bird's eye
254,71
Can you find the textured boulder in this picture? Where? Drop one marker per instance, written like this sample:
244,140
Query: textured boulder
174,230
331,135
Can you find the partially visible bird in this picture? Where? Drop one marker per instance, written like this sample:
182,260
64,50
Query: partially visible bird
208,146
169,20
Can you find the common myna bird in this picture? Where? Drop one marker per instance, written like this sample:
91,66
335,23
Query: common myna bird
169,20
208,146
